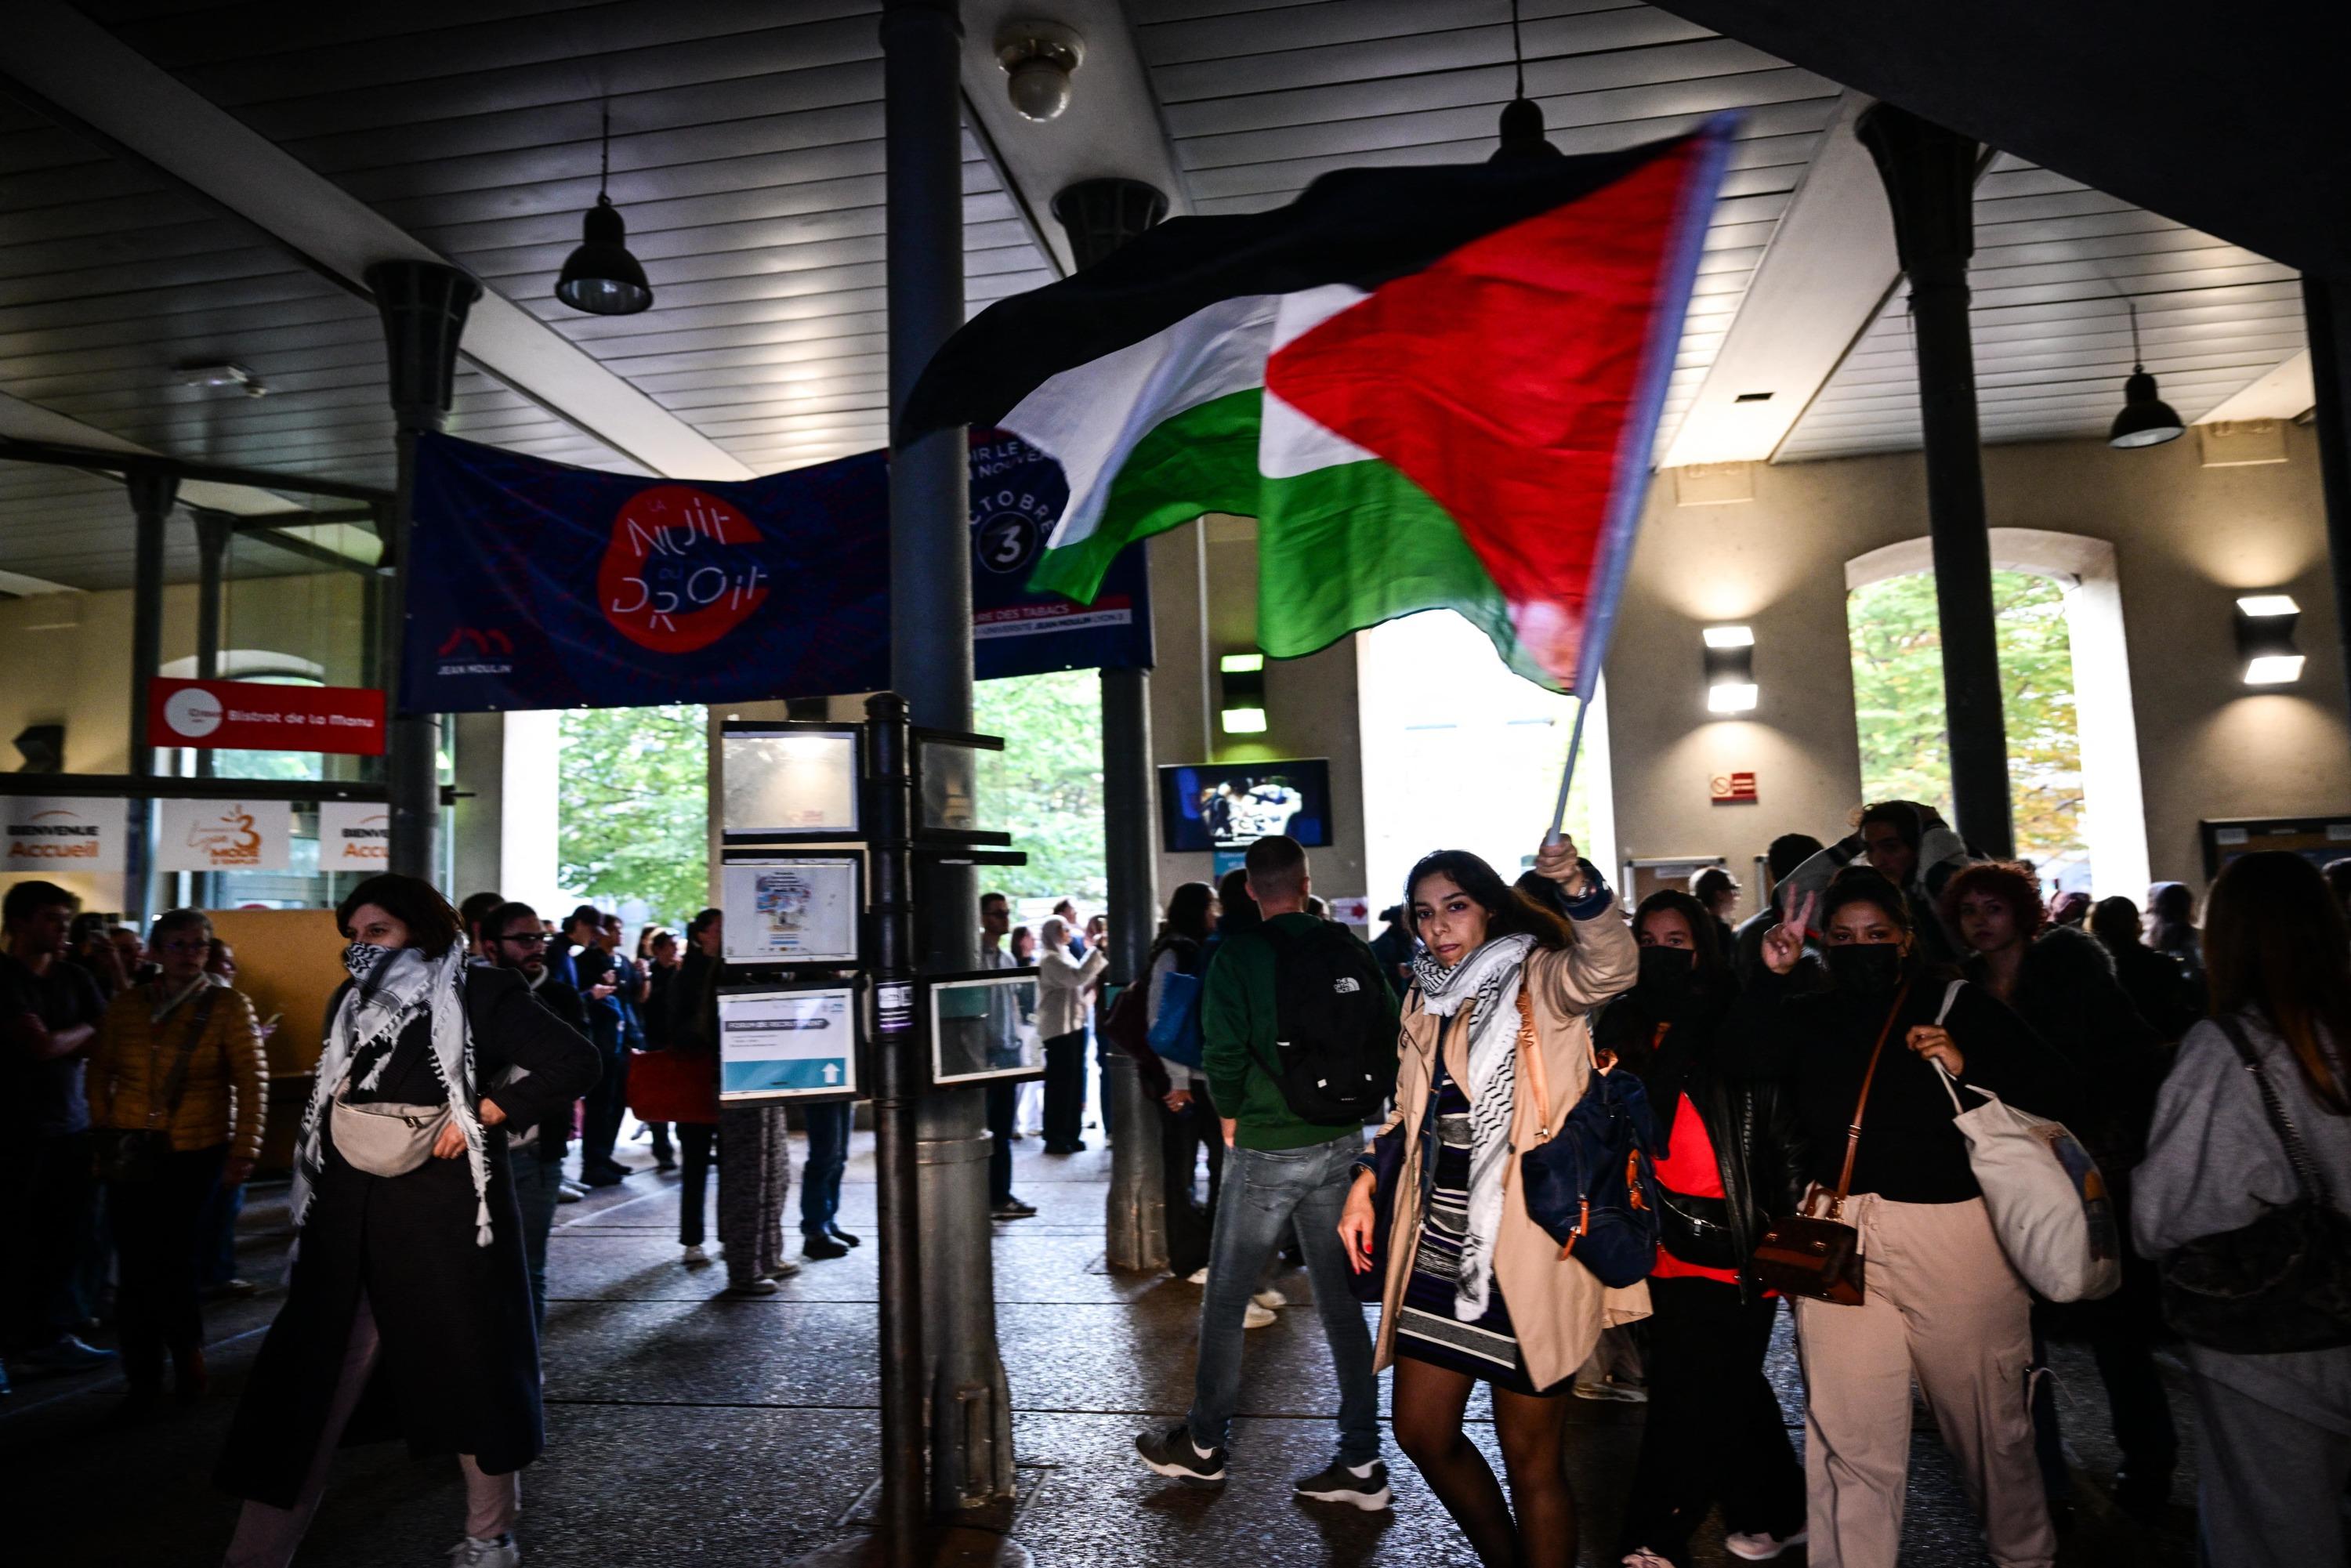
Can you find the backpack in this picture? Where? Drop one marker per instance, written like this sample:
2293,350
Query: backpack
1593,1184
1175,1032
1335,1045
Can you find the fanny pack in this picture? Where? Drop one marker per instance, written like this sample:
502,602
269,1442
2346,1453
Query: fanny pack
386,1139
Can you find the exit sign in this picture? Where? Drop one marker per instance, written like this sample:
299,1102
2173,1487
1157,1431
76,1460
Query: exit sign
1732,788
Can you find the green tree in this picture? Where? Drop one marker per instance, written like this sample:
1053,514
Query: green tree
1897,687
634,807
1045,787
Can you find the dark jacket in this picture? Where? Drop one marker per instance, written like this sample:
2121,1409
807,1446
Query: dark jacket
2065,988
1752,1122
554,1139
2157,987
458,1373
1820,1044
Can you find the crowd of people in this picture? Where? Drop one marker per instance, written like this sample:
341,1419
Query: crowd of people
1377,1114
1810,1062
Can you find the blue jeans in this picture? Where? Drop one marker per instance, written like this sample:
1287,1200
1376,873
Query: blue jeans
1268,1192
536,1181
216,1236
827,1157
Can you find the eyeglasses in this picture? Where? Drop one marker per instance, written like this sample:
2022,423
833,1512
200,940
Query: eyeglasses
527,938
194,944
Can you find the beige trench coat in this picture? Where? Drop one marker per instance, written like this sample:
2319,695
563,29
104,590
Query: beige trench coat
1557,1307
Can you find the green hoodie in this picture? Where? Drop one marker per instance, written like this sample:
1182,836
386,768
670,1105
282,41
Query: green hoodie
1237,1017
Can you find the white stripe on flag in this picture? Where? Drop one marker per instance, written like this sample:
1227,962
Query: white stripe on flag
1289,443
1091,416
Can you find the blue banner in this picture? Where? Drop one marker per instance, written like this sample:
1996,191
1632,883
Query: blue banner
538,585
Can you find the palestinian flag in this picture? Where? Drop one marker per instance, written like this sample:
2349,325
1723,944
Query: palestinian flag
1433,386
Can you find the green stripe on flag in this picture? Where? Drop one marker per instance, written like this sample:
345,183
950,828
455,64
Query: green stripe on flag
1345,548
1203,460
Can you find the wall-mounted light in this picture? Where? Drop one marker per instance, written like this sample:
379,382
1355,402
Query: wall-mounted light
2266,644
1730,669
601,277
1241,705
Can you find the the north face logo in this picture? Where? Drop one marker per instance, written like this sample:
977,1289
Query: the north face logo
1345,984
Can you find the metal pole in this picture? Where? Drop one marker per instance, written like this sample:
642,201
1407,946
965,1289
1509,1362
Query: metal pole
1101,216
931,667
153,493
1929,176
898,1073
423,306
214,532
2329,323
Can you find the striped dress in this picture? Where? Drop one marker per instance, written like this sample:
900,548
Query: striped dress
1426,1329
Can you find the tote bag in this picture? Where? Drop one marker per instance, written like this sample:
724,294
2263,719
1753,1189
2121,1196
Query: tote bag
2048,1201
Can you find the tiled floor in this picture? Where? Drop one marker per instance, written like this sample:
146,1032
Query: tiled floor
687,1427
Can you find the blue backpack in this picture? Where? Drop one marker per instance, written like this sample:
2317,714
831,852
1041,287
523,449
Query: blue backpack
1594,1185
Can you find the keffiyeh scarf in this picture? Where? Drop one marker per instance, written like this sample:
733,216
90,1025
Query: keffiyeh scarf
391,988
1487,982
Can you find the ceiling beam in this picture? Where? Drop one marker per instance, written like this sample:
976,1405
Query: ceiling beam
1112,127
2282,391
70,68
1825,274
33,426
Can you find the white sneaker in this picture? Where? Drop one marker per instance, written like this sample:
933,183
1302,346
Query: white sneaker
1257,1317
1609,1391
567,1193
785,1269
500,1554
1270,1298
1762,1546
1198,1276
1642,1557
762,1286
695,1258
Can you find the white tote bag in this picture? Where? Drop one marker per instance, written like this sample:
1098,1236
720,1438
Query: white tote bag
2048,1202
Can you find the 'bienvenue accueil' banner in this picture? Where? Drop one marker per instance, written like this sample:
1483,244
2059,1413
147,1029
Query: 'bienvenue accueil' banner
539,585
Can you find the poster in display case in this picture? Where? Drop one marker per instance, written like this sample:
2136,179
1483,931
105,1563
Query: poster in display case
788,779
788,1043
792,909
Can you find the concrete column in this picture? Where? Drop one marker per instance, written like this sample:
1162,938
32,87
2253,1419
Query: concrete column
153,493
1929,175
424,305
1101,216
215,530
2326,309
931,667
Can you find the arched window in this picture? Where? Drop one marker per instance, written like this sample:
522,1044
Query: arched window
2073,749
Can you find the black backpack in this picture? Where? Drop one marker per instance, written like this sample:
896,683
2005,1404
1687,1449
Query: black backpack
1333,1033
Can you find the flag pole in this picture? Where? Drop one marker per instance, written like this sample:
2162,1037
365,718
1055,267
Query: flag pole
1567,774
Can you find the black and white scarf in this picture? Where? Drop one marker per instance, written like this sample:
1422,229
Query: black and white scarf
391,988
1487,981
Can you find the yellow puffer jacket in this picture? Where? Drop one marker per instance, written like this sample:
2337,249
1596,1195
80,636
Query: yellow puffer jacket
226,1093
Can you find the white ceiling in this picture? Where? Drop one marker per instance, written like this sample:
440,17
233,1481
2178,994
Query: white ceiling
278,145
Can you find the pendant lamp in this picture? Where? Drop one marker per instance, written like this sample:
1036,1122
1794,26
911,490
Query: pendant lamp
1522,135
2145,418
601,277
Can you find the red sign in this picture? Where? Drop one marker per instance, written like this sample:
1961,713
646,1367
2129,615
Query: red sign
1732,788
255,715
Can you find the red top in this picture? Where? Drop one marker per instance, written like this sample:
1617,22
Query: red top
1692,1170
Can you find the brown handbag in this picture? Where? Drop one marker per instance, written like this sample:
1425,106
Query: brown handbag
1820,1256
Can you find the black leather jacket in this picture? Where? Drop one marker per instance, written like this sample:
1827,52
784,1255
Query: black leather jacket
1751,1122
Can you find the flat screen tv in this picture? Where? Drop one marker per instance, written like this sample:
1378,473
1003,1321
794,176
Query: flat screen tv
1208,806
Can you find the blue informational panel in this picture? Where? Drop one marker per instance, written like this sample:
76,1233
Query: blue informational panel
787,1042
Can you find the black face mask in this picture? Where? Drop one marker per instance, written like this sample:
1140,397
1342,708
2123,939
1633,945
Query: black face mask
1666,971
1865,969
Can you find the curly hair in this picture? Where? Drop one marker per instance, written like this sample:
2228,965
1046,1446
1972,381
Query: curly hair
2011,883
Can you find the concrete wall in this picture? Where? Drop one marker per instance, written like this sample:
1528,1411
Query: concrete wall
1204,605
2186,541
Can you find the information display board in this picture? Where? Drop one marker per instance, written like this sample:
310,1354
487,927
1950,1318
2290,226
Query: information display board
788,1043
787,781
983,1027
792,909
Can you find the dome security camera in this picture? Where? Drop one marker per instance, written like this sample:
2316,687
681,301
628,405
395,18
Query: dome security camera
1038,59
